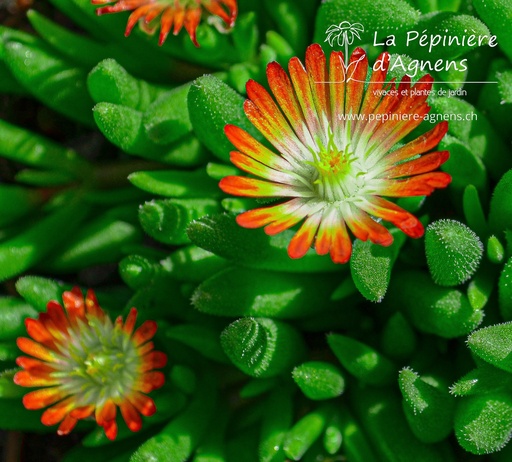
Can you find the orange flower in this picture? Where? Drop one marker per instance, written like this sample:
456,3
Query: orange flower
338,153
89,365
173,14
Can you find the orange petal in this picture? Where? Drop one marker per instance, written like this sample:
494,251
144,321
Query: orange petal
254,149
145,332
106,413
151,381
135,16
42,398
92,306
146,348
337,79
144,404
250,187
192,20
153,360
166,22
341,245
35,349
179,18
424,164
110,429
391,212
420,145
33,364
419,185
82,412
303,238
131,319
364,227
66,425
301,84
131,416
58,412
39,332
356,77
34,378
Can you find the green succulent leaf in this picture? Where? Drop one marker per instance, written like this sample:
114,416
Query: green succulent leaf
50,78
483,424
167,220
110,82
167,119
497,14
221,235
263,293
277,420
212,104
176,183
306,431
376,16
262,347
371,266
433,309
13,312
380,412
505,291
500,213
178,439
32,245
319,380
428,407
494,345
39,291
362,361
398,338
482,380
453,252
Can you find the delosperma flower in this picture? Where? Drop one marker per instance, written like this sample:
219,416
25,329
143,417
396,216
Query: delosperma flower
170,14
337,153
89,365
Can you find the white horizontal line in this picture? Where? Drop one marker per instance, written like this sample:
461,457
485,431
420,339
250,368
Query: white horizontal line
364,81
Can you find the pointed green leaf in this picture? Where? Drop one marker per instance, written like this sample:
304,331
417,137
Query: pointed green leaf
453,252
483,424
319,380
262,347
494,345
362,361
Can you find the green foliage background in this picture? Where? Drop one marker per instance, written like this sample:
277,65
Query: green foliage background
111,151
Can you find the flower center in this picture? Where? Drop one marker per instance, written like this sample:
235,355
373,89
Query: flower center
337,175
103,364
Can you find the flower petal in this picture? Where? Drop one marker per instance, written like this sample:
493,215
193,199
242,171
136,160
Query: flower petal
419,185
144,333
144,404
44,397
424,164
303,238
131,416
58,412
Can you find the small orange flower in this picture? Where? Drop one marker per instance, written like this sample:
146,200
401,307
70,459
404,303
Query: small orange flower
89,365
173,14
336,152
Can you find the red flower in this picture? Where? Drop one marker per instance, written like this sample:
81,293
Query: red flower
172,14
89,365
337,153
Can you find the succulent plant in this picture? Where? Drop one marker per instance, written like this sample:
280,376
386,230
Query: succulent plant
137,166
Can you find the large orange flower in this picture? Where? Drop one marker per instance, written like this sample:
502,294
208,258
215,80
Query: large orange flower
89,365
171,14
337,152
